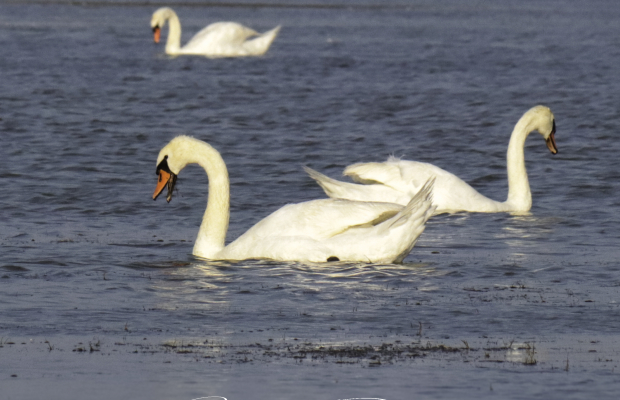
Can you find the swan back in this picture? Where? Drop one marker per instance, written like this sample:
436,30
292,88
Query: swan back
339,230
401,179
219,38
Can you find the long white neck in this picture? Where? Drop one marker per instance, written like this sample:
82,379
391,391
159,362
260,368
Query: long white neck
519,194
173,43
212,233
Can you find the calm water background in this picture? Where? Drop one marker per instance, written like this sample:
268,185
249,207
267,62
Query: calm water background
87,100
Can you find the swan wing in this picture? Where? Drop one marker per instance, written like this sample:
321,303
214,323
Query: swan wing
303,231
219,38
393,181
372,192
336,230
259,45
389,241
320,219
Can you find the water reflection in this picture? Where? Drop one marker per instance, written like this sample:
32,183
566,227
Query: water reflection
217,293
527,231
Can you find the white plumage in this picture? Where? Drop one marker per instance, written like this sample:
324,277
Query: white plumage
220,39
396,180
316,231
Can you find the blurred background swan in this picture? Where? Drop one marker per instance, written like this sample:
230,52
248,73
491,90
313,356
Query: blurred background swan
220,39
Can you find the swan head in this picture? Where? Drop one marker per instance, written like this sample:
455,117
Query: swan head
158,20
170,161
542,120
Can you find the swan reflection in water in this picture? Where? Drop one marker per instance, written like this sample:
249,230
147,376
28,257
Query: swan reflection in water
212,286
528,230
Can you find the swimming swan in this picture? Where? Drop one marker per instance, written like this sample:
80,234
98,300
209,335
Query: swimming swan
315,231
220,39
396,181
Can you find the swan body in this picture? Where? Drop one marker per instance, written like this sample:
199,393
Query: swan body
220,39
315,231
396,180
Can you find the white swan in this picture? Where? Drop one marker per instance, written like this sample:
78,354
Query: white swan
396,181
220,39
315,231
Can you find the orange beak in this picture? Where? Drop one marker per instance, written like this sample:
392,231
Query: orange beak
551,141
164,177
156,34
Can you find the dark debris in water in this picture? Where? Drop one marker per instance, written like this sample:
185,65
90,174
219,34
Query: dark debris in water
157,265
482,352
15,268
365,355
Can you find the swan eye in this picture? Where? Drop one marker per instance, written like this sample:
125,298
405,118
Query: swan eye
163,165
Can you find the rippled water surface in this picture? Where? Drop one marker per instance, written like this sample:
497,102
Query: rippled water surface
101,298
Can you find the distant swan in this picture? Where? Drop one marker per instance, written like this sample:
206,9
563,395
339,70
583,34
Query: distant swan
315,231
220,39
397,181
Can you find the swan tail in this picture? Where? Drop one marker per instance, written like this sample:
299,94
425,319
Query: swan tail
332,187
357,192
401,233
259,45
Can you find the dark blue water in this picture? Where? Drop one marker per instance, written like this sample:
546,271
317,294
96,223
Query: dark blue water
101,298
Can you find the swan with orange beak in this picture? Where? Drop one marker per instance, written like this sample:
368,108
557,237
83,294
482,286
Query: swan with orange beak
220,39
323,230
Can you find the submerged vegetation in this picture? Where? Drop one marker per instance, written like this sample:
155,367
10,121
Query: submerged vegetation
294,350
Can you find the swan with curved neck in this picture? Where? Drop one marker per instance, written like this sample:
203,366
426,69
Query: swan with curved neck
220,39
397,180
316,231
